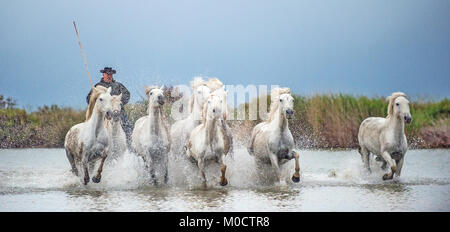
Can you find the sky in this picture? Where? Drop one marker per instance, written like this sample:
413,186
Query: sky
370,48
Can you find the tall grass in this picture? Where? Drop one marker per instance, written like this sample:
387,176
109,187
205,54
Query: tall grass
45,127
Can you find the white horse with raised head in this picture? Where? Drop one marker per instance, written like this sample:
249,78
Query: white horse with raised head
150,138
87,142
385,137
114,127
272,142
208,141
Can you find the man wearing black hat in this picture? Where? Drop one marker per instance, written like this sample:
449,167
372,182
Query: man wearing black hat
117,88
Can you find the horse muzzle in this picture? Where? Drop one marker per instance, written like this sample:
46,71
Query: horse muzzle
161,100
116,116
408,119
108,115
289,113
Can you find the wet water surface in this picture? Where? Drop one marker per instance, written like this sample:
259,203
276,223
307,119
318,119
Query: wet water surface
40,180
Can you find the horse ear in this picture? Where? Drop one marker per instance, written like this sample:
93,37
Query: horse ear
120,96
147,90
109,90
163,87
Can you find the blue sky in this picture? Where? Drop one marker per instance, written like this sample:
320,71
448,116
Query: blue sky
359,47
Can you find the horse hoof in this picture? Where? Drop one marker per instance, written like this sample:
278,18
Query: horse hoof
295,179
86,181
386,177
224,182
96,180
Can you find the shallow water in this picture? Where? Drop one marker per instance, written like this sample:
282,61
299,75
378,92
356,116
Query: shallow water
40,180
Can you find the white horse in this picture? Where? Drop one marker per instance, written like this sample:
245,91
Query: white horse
87,142
181,129
208,142
272,142
150,138
118,139
222,93
385,137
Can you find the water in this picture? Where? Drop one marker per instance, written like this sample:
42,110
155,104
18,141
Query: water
40,180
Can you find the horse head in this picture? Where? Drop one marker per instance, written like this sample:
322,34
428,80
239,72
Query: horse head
155,96
213,108
222,93
287,105
281,99
399,107
116,107
199,96
104,103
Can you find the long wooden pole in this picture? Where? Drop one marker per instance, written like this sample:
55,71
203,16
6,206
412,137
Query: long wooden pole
84,58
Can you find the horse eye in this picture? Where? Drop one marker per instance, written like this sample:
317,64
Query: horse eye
397,104
151,93
101,99
281,100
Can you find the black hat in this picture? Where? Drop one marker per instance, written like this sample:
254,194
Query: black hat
108,70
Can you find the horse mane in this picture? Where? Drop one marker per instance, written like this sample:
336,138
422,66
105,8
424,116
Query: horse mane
275,100
391,100
214,83
116,99
196,82
95,93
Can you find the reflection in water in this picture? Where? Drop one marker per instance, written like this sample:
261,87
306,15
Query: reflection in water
30,183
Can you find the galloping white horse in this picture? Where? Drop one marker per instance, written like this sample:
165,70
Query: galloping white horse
115,131
150,138
272,141
87,142
181,129
222,93
385,137
208,141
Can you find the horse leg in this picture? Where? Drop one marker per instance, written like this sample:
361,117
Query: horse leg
201,167
166,169
274,162
72,162
152,172
223,168
98,177
145,162
149,167
365,156
250,147
296,176
85,170
383,166
391,162
399,166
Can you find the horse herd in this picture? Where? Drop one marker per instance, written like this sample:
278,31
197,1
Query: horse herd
204,137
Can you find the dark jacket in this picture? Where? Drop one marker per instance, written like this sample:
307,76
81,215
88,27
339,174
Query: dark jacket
116,89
